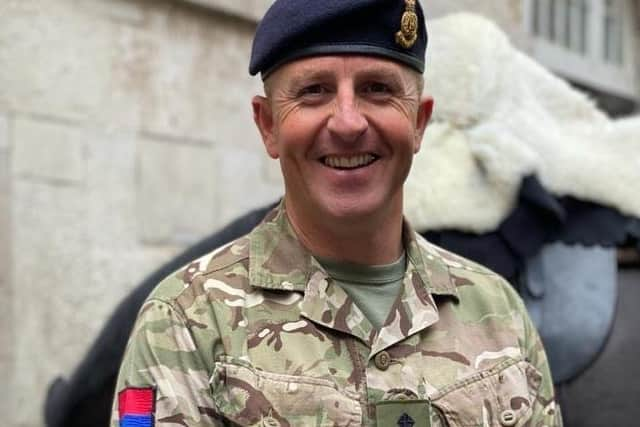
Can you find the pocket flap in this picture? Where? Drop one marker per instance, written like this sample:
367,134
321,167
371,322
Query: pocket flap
501,396
247,396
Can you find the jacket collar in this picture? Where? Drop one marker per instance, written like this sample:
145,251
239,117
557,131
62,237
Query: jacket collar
279,261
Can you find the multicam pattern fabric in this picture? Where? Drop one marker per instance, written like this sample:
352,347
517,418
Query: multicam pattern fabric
256,334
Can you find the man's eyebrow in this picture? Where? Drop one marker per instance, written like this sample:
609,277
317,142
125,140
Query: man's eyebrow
309,74
381,72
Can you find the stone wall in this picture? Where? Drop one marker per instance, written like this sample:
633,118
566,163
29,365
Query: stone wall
125,134
637,52
6,299
252,10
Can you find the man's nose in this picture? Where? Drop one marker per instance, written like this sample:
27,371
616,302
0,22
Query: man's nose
347,121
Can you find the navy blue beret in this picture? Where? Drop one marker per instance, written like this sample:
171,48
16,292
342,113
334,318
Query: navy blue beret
294,29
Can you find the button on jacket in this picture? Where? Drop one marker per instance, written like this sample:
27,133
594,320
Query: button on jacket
257,334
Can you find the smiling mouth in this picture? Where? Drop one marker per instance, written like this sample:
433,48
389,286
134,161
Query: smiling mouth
349,162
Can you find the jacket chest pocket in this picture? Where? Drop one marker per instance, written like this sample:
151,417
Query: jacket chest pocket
499,397
248,396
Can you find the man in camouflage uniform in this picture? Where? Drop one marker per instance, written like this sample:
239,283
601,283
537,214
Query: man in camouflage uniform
305,321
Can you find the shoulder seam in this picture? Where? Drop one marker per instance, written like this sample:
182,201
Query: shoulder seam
223,266
484,271
205,274
170,303
473,265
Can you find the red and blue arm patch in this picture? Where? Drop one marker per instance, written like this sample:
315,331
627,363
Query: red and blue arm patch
136,407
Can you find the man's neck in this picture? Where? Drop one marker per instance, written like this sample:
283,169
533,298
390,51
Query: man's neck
369,241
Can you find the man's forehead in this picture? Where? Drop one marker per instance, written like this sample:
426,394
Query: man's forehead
334,65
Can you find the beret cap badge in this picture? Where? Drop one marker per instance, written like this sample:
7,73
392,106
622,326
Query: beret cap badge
408,33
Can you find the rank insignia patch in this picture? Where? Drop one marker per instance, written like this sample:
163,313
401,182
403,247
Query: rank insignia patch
408,33
405,421
403,413
136,407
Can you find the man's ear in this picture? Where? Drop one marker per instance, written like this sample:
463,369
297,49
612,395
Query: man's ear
263,117
424,115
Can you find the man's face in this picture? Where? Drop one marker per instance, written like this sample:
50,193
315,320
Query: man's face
345,129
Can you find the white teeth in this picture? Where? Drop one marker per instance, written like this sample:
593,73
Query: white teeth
348,162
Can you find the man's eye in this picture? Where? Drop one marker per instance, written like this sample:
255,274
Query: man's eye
313,90
377,88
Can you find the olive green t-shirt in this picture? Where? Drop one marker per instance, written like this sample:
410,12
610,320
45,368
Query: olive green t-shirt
373,288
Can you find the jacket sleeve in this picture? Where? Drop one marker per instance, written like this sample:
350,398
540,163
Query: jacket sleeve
163,372
546,410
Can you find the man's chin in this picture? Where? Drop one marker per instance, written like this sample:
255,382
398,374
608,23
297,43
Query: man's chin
353,211
345,210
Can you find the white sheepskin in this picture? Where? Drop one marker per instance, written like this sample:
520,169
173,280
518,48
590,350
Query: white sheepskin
499,116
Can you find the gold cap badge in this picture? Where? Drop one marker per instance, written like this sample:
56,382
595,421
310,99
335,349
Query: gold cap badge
408,33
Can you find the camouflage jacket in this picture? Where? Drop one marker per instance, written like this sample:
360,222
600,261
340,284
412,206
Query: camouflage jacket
257,334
